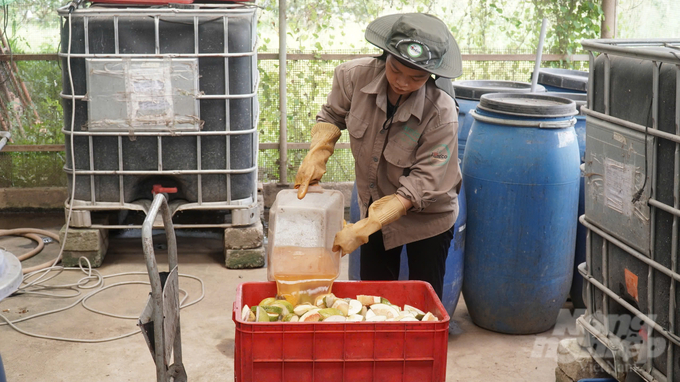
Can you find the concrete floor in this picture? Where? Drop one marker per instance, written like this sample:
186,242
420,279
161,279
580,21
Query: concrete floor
474,354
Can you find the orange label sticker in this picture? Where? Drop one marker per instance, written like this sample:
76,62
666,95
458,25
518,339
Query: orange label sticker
632,284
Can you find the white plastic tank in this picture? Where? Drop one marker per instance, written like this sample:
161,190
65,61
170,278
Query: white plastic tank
301,234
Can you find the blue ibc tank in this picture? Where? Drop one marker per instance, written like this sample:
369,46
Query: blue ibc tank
563,80
576,291
467,96
453,278
521,175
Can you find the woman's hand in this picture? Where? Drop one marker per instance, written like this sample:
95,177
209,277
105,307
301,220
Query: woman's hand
382,212
324,136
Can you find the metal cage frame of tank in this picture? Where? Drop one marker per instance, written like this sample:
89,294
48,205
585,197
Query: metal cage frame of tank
242,211
598,291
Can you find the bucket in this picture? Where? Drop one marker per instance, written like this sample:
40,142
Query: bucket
563,80
522,176
453,278
467,97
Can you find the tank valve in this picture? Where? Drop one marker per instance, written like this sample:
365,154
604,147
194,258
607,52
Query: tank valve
157,189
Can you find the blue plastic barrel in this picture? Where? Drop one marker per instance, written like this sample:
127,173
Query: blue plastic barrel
453,278
576,291
467,96
521,176
563,80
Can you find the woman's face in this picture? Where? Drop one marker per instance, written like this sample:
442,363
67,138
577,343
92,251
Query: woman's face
402,79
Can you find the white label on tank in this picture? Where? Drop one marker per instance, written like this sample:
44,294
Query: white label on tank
619,179
149,96
619,138
566,138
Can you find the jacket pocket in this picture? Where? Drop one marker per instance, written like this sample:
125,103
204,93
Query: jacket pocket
399,156
399,161
356,128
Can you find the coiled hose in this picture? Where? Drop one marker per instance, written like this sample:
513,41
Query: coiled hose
32,233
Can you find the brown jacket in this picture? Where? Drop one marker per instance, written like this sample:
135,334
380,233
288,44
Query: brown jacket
416,158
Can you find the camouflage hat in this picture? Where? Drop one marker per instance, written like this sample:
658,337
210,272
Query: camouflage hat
420,39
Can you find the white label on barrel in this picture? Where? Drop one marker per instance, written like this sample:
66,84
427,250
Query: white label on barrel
566,138
618,186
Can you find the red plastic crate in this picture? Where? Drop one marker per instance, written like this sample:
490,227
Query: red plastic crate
343,351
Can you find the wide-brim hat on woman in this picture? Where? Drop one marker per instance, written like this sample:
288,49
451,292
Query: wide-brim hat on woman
419,39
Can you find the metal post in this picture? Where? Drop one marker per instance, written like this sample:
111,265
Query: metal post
608,26
539,53
283,129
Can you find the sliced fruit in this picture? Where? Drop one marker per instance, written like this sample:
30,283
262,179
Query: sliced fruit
376,318
329,300
261,314
354,307
288,317
295,319
267,301
311,316
385,310
284,309
406,314
429,317
320,301
369,314
364,310
407,318
273,316
342,306
391,319
355,318
245,313
303,308
325,313
383,300
335,318
272,309
285,303
368,300
413,309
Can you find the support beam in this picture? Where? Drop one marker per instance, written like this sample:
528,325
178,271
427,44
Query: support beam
608,27
283,128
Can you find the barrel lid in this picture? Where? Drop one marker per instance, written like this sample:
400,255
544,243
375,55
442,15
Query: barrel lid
474,89
581,99
528,105
564,78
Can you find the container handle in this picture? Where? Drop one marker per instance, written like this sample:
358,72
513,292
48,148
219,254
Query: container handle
524,123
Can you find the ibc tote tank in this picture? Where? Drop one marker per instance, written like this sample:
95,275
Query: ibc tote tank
163,95
521,176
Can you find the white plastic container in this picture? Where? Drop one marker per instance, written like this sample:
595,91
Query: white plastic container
301,234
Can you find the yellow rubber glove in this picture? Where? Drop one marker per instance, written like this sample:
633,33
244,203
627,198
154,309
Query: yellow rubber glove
324,136
382,212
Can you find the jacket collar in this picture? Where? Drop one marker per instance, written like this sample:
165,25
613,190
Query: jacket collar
413,105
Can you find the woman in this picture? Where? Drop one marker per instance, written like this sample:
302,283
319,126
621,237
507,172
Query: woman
403,135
